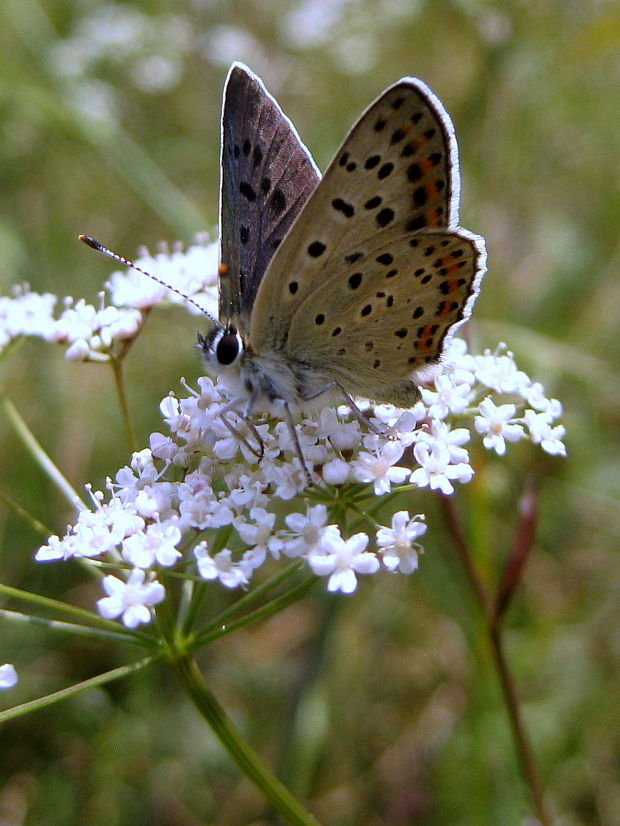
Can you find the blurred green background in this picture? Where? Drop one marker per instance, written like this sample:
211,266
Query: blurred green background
383,707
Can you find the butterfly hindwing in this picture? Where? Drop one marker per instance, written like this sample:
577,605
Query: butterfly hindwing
402,297
395,176
267,177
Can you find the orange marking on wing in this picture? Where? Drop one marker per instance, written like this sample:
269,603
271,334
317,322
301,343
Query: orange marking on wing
416,144
433,217
450,263
446,307
453,284
432,189
427,330
426,166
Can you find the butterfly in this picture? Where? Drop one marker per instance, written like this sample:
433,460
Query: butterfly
347,284
341,286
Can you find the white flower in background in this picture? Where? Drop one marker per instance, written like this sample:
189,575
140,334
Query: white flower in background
544,433
398,544
8,675
25,313
192,272
131,600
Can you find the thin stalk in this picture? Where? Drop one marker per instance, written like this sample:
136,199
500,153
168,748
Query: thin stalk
85,617
214,632
78,688
71,628
117,368
524,750
460,543
40,456
26,516
244,756
493,628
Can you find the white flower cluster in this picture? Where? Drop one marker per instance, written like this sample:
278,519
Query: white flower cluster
203,488
98,333
201,497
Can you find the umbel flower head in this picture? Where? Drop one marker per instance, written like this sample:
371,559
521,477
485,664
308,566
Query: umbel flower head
215,497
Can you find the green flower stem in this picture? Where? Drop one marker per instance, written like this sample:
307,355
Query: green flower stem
186,621
257,594
40,456
248,761
26,516
84,616
86,685
117,369
221,627
72,629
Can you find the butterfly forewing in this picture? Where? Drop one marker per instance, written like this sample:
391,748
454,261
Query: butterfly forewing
394,176
267,177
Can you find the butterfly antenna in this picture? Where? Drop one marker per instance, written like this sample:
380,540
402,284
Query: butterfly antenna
91,242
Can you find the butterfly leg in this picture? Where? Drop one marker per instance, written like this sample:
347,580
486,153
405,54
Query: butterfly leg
296,444
233,406
357,412
260,452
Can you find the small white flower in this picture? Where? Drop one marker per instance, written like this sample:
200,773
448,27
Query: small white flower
341,559
534,395
132,599
8,675
380,468
78,351
500,373
287,478
156,545
397,544
441,433
56,549
436,470
220,566
543,433
304,531
26,313
336,471
342,435
448,397
495,423
260,535
456,360
129,288
163,447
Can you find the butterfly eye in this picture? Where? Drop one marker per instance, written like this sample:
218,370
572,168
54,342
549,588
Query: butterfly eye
228,348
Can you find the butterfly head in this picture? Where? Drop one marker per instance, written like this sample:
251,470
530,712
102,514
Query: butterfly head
221,348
